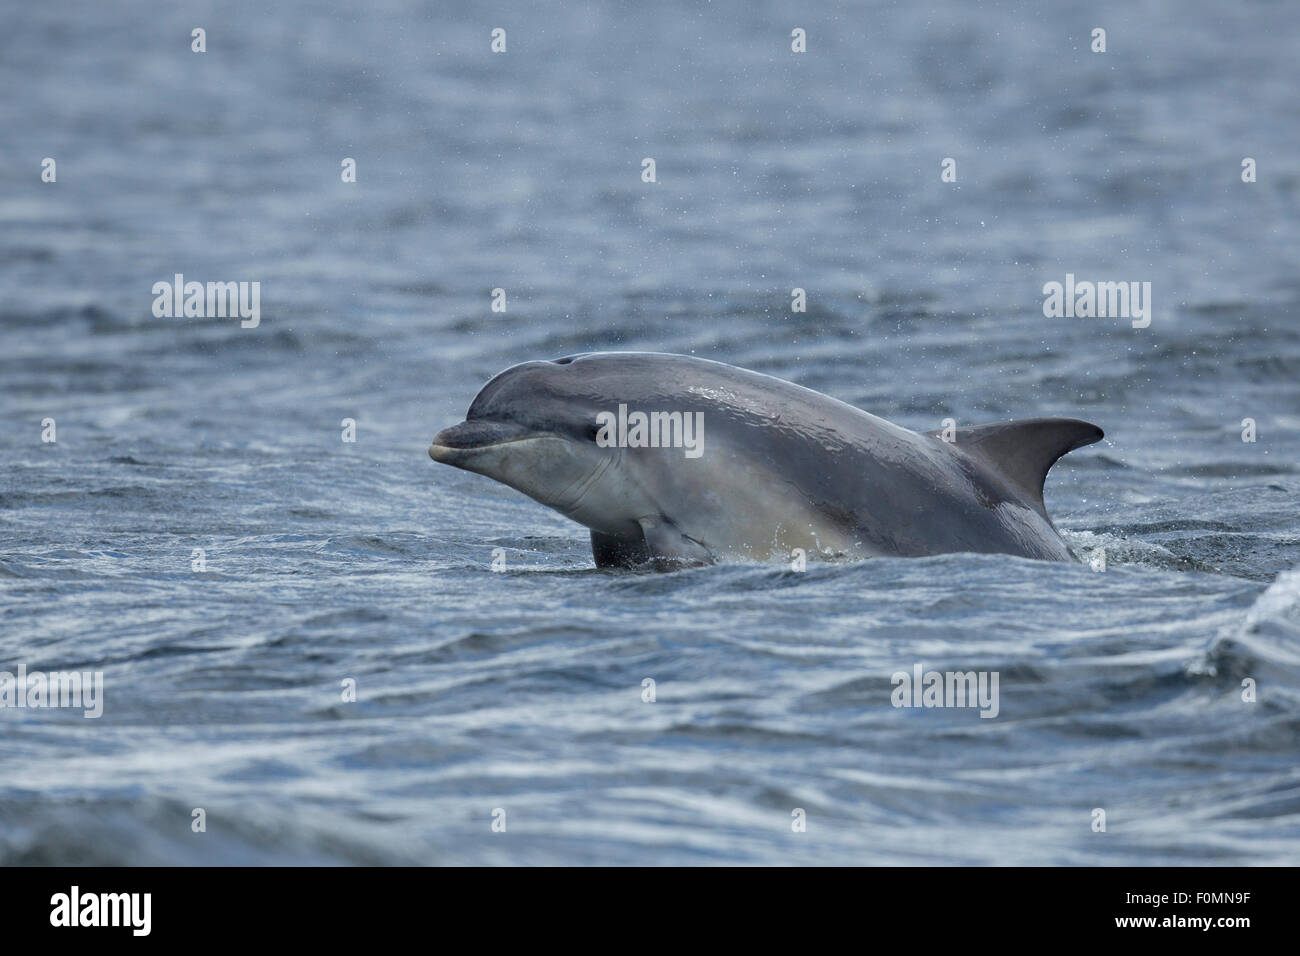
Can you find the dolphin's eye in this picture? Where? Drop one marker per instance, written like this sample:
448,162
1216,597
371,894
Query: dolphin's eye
592,431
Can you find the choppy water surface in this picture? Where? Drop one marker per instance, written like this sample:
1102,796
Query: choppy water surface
522,690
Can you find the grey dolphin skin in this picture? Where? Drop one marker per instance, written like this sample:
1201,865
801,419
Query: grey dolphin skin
750,466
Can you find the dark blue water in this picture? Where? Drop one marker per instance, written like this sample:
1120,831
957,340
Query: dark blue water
521,690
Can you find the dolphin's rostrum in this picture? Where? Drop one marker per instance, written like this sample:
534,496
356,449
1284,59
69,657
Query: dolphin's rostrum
779,467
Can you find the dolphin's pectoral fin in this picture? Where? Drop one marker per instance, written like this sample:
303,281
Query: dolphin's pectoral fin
615,551
1022,452
659,542
667,545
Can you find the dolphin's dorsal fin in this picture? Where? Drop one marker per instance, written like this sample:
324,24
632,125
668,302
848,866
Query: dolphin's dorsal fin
1022,452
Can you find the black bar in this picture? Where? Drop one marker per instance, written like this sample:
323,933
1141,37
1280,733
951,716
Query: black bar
652,906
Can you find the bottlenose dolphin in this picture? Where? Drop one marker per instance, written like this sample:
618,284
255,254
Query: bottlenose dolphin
761,466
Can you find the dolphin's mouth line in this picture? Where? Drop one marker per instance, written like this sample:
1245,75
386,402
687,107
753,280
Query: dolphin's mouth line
476,435
486,444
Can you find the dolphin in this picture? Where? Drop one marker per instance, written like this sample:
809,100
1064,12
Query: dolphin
722,463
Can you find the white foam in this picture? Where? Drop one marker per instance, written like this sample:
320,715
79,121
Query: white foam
1279,603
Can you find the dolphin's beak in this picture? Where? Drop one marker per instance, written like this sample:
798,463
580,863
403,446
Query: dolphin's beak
453,446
